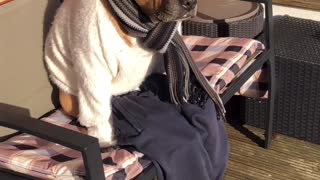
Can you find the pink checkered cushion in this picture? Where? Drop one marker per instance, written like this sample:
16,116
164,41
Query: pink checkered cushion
220,61
46,160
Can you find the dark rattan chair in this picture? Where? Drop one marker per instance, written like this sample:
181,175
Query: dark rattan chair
267,57
245,28
297,102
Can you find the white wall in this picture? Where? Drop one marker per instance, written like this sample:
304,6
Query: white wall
23,80
296,12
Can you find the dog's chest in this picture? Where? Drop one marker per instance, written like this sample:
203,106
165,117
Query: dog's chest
133,65
128,62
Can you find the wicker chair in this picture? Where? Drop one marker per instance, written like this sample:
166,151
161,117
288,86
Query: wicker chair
24,108
267,57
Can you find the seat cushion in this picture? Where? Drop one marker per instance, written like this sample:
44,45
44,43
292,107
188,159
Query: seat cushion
221,60
46,160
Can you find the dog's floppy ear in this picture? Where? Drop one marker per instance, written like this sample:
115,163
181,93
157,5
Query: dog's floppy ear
150,6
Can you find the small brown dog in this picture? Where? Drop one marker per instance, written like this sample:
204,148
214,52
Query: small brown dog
91,58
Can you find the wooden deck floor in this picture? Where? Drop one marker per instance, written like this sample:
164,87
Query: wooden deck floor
288,158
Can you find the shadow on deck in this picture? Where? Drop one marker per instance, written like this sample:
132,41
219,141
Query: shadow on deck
288,158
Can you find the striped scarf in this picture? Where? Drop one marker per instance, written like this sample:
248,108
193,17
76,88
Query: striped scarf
183,75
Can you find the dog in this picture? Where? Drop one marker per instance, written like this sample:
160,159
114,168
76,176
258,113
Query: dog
91,58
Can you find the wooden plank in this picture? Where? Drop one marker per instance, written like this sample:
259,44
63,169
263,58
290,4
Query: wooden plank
242,171
281,143
280,166
308,4
288,158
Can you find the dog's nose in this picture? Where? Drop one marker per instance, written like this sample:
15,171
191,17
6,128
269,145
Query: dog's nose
189,4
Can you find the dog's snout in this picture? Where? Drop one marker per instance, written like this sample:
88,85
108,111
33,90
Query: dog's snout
189,4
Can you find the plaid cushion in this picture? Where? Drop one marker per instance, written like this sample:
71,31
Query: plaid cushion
220,60
46,160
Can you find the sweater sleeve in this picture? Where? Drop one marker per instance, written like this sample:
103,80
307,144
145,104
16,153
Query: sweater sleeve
77,32
58,57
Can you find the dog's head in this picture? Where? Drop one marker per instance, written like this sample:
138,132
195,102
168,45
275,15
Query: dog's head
168,10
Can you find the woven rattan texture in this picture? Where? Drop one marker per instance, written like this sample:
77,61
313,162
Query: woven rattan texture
297,39
297,103
246,28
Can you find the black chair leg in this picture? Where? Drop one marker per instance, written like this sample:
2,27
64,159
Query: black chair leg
271,96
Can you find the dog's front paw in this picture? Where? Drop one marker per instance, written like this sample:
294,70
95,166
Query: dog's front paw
104,135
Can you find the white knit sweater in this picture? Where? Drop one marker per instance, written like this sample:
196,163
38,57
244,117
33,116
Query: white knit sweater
87,57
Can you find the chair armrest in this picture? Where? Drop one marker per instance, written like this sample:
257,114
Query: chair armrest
248,71
87,145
